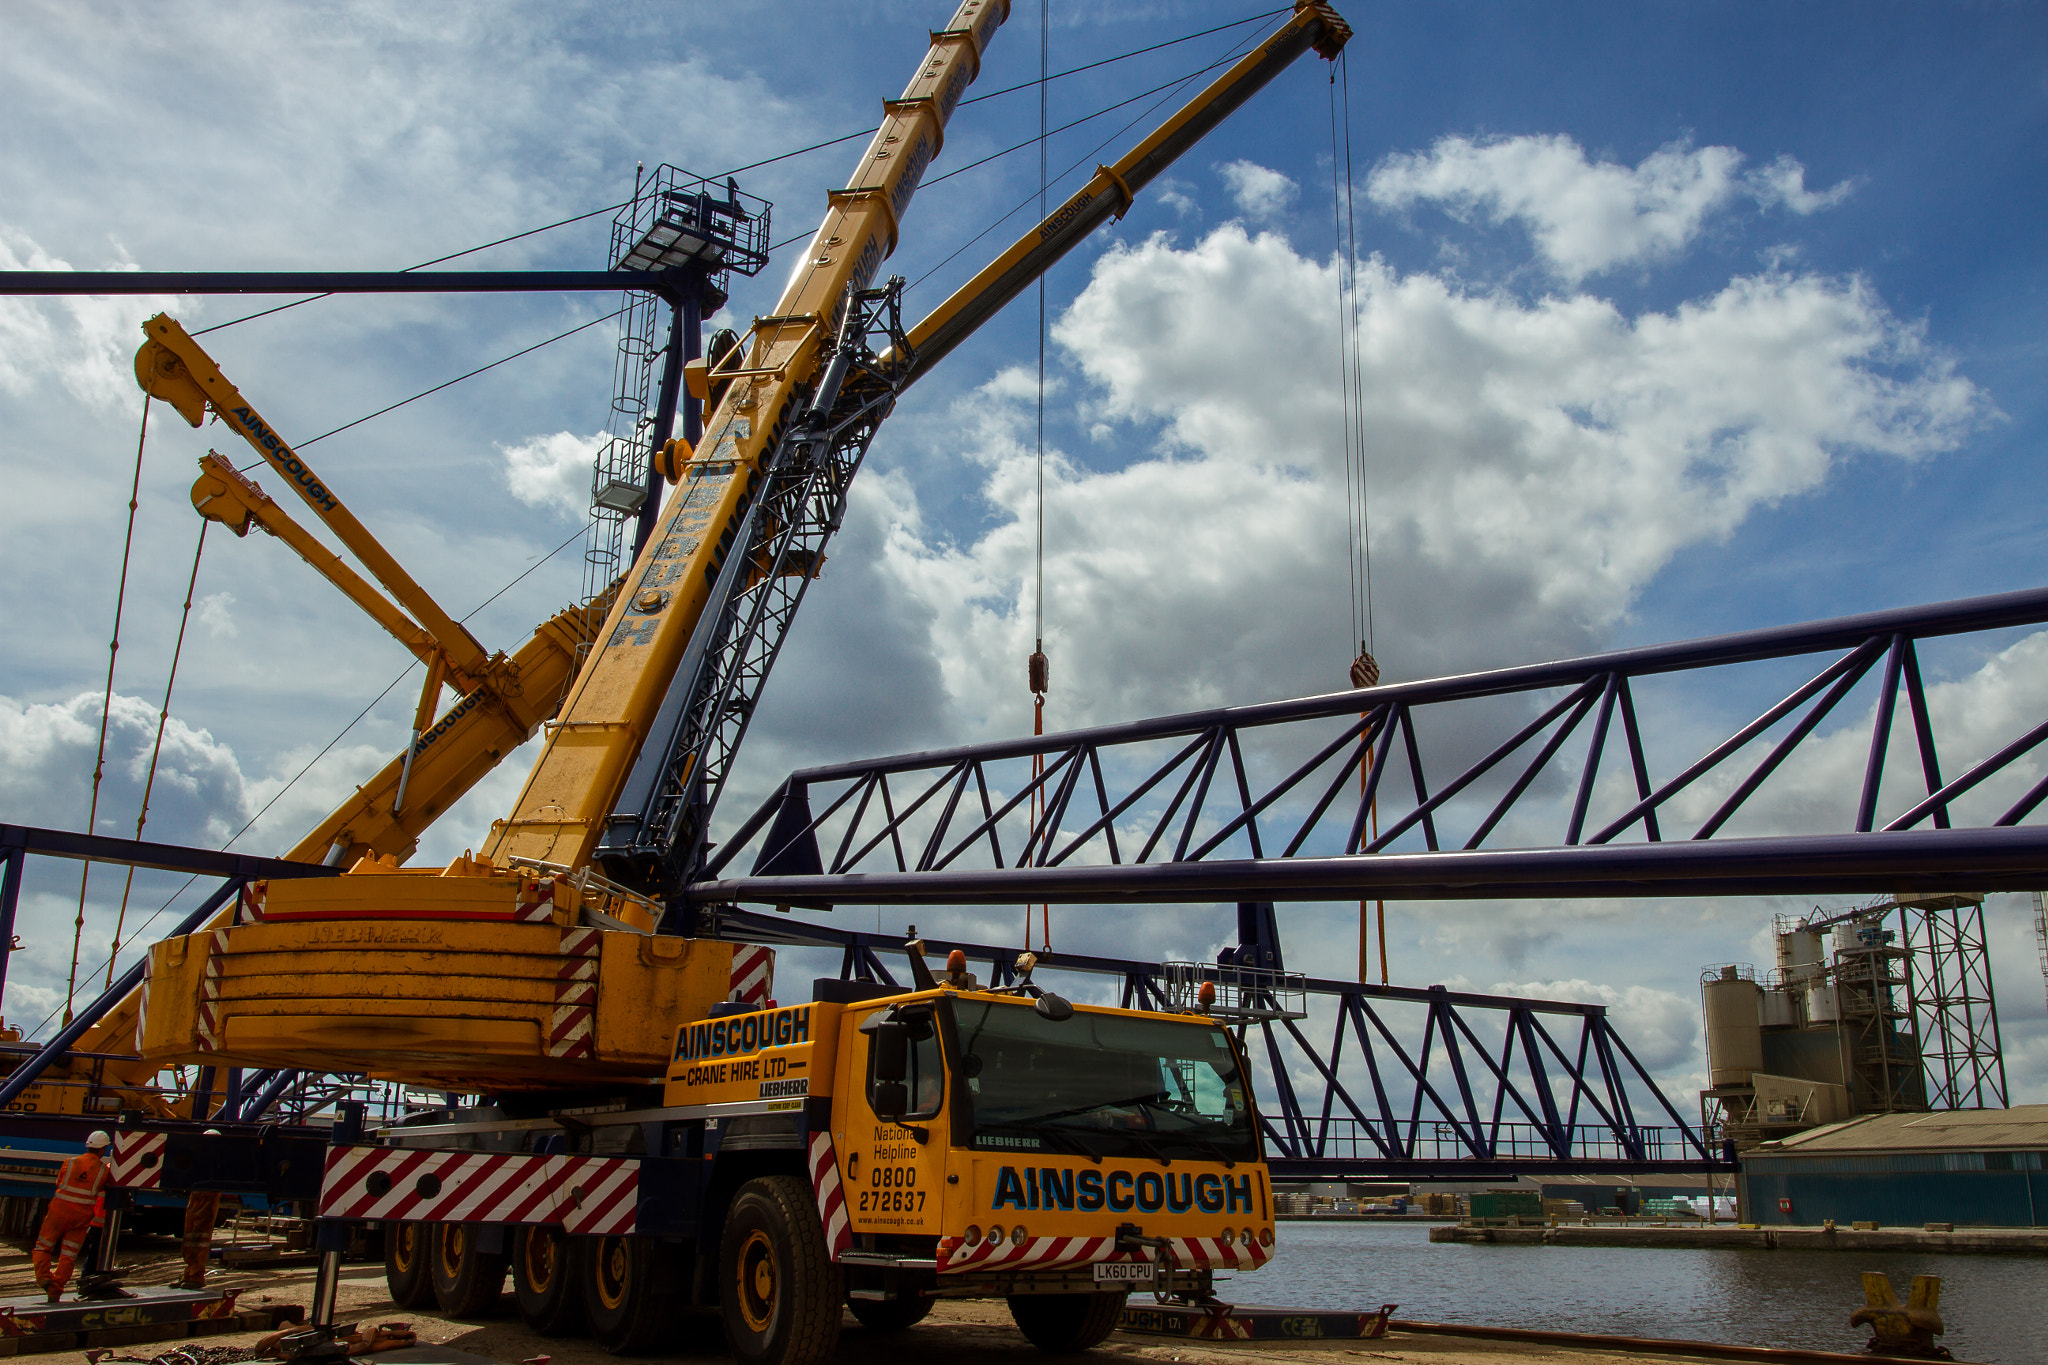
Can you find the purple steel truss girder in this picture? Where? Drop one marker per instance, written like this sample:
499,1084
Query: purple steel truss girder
932,828
1563,1085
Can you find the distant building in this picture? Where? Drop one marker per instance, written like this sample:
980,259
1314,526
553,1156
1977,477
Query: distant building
1979,1167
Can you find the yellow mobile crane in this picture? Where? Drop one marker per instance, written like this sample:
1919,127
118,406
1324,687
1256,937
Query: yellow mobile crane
465,983
654,1134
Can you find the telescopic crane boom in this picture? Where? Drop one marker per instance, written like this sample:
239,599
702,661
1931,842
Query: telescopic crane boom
528,978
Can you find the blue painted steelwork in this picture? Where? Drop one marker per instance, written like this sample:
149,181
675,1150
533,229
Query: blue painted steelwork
19,841
946,827
1533,1086
1903,1189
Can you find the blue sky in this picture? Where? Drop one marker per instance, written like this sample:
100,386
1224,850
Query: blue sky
1680,318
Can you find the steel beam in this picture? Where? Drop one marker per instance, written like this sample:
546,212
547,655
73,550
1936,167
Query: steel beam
1192,833
205,862
105,283
1999,859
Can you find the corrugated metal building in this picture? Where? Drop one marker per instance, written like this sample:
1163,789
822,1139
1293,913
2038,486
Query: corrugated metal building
1980,1167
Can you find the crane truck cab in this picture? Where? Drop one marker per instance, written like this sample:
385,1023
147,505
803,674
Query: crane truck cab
873,1150
971,1144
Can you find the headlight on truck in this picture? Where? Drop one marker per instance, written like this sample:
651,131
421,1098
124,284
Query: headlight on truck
972,1237
1229,1236
1265,1237
1017,1235
995,1233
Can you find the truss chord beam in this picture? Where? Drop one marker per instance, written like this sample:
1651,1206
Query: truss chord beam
1361,732
1858,664
1735,742
1595,748
1536,766
1880,734
1209,761
1923,731
1428,807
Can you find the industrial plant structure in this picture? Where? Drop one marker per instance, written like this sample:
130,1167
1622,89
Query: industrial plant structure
1886,1008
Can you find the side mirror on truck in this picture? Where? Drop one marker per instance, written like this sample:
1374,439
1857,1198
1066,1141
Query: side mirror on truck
888,1096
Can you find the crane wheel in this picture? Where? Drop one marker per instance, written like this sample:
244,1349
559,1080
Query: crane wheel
889,1315
1064,1324
467,1282
778,1288
545,1281
405,1264
630,1291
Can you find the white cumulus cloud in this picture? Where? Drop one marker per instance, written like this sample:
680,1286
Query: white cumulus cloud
552,471
1589,216
1259,191
1533,465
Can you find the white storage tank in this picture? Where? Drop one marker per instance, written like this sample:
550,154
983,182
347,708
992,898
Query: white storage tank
1823,1006
1799,952
1735,1036
1780,1011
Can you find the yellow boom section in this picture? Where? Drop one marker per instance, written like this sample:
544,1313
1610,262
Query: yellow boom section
561,813
518,970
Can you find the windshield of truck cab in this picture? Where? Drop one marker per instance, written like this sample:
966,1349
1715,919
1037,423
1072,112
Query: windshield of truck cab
1102,1085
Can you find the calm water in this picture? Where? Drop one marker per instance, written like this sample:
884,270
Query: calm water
1996,1307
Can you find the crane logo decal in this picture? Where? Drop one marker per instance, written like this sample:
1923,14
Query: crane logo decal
1148,1191
1058,222
283,460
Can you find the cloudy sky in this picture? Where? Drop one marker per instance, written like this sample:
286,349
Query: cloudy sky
1670,320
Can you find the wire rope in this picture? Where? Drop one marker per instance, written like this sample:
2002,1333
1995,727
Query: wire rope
756,165
1039,671
99,766
325,749
156,749
1025,203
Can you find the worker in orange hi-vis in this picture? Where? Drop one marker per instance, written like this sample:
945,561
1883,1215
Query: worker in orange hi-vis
202,1210
72,1206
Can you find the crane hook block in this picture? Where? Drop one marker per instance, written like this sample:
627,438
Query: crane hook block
162,375
671,458
1039,669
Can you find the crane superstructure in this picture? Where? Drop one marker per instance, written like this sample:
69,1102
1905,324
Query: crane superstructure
651,1129
527,964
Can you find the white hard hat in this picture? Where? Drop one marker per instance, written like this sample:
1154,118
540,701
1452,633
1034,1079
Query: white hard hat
97,1139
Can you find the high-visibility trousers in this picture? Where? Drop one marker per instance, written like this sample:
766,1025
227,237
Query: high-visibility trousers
63,1232
201,1209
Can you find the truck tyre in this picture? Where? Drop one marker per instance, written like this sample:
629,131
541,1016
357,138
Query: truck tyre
544,1278
778,1288
467,1282
890,1315
630,1292
1066,1323
406,1248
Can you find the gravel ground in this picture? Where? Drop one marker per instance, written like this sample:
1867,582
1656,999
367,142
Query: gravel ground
957,1330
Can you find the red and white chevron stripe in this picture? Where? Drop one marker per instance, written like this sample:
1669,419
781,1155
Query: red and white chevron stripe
249,903
1212,1253
138,1161
209,991
753,973
536,902
587,1195
831,1198
1034,1253
572,1028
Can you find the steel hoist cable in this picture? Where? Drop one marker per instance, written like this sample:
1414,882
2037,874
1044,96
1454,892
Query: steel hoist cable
1037,669
342,734
99,765
1365,669
156,749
